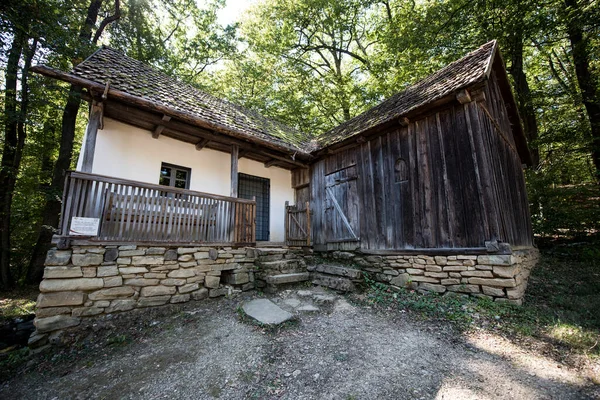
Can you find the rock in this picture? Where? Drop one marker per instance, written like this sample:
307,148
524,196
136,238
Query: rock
200,294
202,255
62,272
86,260
89,272
480,274
188,288
37,340
133,270
288,278
55,323
150,291
180,298
296,373
124,261
266,312
112,293
141,282
427,279
304,293
212,281
308,308
185,258
464,288
437,274
440,260
186,250
120,305
147,260
58,257
113,281
238,278
155,251
110,270
432,288
131,253
173,282
323,299
218,292
87,311
170,255
455,268
433,268
506,272
450,281
153,301
52,311
338,270
181,273
493,282
492,291
292,302
111,255
59,299
128,247
495,260
65,285
333,282
401,280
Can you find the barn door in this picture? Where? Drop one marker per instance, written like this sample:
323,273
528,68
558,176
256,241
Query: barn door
341,206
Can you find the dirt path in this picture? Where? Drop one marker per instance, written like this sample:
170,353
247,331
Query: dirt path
206,351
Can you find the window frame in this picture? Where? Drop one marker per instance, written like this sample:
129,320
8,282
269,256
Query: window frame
173,178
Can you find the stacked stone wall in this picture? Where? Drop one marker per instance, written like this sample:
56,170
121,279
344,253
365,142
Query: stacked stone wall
87,281
502,278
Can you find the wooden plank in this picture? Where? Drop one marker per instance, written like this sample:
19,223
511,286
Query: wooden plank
91,133
234,170
341,213
308,236
159,128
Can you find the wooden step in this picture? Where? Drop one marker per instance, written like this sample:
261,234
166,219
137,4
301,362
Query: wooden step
288,278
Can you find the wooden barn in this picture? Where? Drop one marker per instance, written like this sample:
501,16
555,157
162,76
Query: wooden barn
179,195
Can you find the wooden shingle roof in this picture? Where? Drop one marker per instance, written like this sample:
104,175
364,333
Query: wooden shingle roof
138,79
460,74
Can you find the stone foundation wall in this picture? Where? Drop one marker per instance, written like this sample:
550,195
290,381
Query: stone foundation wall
502,278
87,281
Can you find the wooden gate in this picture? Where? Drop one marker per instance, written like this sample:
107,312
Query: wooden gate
341,206
297,224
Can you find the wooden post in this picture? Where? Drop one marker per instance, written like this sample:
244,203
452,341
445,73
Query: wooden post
91,132
235,150
286,222
308,233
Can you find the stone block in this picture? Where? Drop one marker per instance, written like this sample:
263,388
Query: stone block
147,260
89,272
156,251
153,301
131,253
52,311
133,270
112,281
124,260
151,291
111,255
455,268
112,293
186,250
450,281
201,255
120,305
506,272
433,268
173,282
58,257
499,282
86,260
339,271
437,274
59,299
483,267
414,271
238,278
464,288
188,264
101,303
62,272
87,311
170,255
180,298
212,281
141,282
333,282
200,294
427,279
401,280
128,247
110,270
218,292
480,274
516,293
431,287
74,284
495,260
185,258
440,260
155,275
55,323
195,279
492,291
189,288
181,273
454,274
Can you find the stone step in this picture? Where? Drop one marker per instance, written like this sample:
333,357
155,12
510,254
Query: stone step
288,278
333,282
284,266
338,270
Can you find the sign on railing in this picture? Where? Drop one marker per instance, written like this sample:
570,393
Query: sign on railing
141,212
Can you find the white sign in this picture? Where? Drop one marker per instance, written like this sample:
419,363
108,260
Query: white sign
81,226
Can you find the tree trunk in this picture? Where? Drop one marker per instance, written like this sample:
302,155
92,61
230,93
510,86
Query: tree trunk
8,170
588,82
50,216
523,94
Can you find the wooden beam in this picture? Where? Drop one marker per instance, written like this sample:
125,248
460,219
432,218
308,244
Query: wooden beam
463,96
271,162
243,153
235,150
201,144
159,128
91,133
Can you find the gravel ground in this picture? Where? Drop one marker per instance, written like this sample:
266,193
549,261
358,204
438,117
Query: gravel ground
208,350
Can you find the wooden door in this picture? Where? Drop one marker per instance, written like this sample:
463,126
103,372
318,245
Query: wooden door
341,206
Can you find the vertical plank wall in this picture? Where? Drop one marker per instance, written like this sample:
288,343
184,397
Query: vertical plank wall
446,180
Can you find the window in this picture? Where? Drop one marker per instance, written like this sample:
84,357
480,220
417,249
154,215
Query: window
175,176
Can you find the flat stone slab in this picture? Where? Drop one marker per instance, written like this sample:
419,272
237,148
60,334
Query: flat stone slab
308,308
266,312
288,278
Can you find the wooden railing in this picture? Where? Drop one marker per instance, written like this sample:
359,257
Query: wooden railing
130,211
297,224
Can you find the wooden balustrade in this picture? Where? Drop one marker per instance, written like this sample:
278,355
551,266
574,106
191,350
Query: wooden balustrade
130,211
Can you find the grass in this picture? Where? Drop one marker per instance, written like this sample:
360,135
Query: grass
18,302
562,302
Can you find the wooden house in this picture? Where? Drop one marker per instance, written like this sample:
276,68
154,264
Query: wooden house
176,193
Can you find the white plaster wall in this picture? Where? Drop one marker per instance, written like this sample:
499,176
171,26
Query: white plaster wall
128,152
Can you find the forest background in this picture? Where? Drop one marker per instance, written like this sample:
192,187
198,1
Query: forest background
308,63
